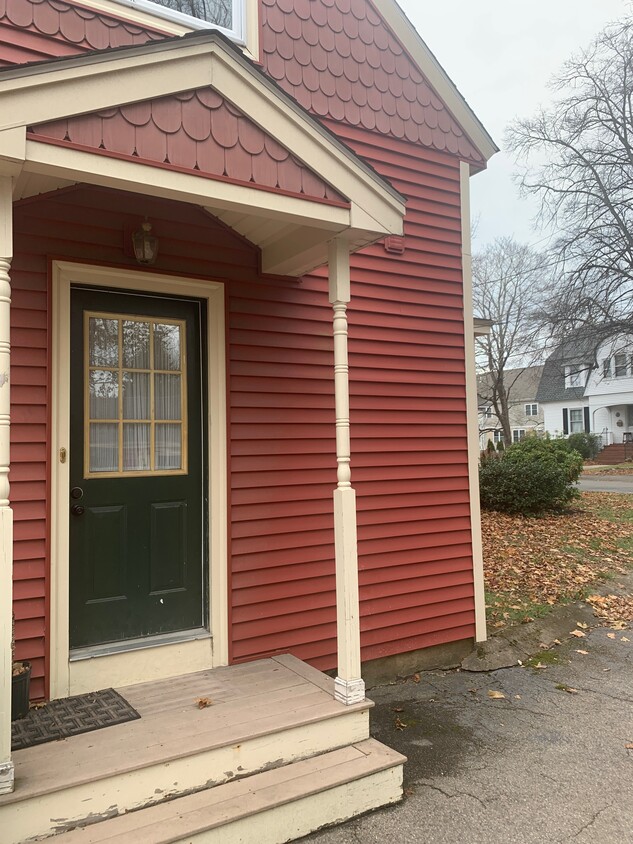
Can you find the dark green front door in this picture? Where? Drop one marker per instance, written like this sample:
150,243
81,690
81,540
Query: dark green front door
136,467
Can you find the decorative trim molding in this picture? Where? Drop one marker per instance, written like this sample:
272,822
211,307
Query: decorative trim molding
66,678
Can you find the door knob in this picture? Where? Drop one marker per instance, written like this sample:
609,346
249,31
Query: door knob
77,510
76,492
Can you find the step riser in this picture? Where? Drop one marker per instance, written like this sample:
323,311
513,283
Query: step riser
92,802
301,817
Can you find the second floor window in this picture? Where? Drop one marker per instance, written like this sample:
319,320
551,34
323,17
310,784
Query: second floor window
225,14
531,409
576,375
618,366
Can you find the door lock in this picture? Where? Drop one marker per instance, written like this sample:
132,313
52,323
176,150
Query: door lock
76,492
77,510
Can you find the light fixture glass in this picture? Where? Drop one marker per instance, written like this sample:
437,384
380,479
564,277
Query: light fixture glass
145,244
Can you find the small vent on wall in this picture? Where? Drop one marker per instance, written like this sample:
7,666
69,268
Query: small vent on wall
394,244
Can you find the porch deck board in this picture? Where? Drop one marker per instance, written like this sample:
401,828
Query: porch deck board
249,700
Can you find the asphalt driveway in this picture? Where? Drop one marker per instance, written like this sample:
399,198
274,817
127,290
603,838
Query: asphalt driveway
542,764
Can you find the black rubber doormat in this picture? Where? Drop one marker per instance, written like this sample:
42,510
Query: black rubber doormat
70,717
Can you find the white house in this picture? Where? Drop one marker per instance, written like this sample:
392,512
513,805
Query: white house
587,385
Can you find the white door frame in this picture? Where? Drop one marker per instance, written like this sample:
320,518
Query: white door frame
167,660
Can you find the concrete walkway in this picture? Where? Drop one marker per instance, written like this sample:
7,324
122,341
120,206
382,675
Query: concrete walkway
606,483
540,766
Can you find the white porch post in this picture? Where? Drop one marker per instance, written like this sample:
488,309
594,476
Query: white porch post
6,516
349,687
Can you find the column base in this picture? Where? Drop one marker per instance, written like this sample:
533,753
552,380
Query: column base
349,692
7,777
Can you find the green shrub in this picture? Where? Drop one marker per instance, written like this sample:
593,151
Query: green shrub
587,445
534,476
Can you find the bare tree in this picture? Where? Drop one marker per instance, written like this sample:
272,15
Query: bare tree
578,158
509,279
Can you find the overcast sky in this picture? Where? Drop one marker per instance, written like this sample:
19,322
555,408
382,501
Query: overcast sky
501,54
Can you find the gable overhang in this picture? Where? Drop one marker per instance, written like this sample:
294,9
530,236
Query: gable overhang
292,232
444,87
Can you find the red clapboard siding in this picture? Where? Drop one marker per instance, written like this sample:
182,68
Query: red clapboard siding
409,450
407,403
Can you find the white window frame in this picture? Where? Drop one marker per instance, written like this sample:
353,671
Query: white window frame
531,409
237,33
581,429
574,375
518,434
497,437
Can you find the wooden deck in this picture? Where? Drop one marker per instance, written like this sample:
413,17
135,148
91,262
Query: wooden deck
262,716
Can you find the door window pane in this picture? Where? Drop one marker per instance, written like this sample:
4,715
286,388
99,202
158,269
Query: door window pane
136,344
136,447
136,395
134,382
104,394
167,390
168,447
166,346
103,341
104,447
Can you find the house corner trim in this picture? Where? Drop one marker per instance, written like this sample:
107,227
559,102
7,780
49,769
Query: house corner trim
471,410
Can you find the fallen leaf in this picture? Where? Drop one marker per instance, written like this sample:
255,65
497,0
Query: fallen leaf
611,636
628,746
582,625
578,634
398,709
584,653
416,678
496,695
204,702
473,691
557,641
624,639
400,725
517,697
540,665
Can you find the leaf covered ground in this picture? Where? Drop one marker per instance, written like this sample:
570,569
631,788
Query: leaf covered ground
531,564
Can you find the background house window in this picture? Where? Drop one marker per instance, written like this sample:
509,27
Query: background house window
497,436
575,375
518,434
576,421
618,366
531,409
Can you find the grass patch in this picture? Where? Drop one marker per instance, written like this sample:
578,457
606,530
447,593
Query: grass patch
543,658
533,564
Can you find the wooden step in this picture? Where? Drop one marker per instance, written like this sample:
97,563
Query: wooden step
262,715
268,808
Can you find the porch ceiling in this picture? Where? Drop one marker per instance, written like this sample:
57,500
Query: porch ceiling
292,231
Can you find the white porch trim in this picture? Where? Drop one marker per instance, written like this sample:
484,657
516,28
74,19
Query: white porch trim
472,412
175,659
349,688
6,514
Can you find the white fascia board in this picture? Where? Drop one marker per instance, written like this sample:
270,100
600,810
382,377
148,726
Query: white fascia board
110,79
444,87
79,165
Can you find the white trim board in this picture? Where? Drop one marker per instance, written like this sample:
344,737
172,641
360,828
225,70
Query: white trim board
84,675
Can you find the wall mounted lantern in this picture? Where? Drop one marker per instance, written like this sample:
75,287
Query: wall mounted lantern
145,244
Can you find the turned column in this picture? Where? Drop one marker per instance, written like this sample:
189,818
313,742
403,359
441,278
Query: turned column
349,687
6,516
